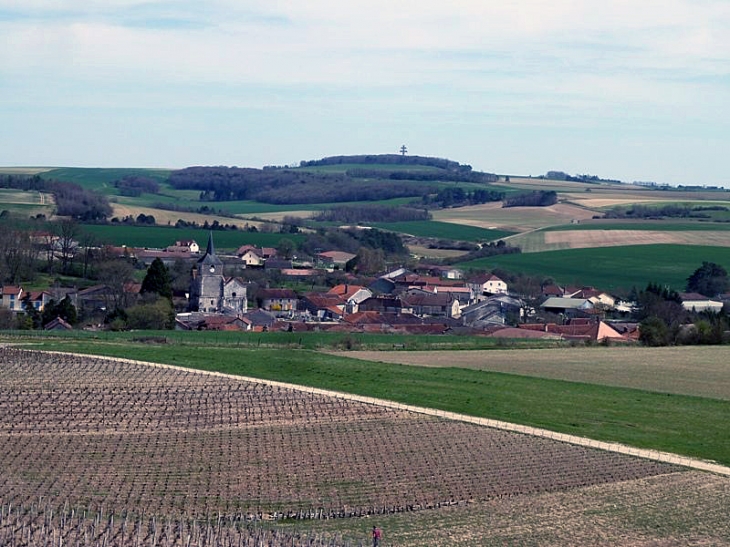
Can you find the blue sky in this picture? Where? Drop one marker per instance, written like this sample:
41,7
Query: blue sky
622,89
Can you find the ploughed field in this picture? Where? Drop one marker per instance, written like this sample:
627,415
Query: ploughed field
110,439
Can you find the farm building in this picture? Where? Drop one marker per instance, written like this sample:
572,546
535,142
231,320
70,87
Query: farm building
697,302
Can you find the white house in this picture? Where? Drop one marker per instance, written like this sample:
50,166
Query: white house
252,258
488,284
12,298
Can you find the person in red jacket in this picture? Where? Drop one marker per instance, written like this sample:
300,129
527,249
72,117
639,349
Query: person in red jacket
376,536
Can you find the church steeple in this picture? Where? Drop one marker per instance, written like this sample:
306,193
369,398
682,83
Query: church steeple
210,250
209,259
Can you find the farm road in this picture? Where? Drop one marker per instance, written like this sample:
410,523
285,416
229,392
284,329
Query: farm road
655,455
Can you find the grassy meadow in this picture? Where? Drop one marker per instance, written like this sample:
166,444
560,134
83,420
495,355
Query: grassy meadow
692,426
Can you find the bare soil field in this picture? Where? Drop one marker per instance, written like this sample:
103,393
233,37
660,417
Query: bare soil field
78,432
687,370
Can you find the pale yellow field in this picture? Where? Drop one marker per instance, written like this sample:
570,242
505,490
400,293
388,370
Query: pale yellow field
535,242
688,370
577,239
24,170
420,251
518,219
27,198
163,217
279,216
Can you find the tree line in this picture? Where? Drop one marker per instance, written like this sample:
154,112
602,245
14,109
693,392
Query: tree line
538,198
288,187
371,213
387,159
664,211
431,176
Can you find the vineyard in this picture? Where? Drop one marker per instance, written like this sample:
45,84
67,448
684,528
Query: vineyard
104,452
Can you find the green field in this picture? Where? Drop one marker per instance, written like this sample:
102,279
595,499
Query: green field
693,426
98,178
157,237
442,230
612,268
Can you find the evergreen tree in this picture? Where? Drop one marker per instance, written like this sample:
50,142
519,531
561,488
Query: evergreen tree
157,280
710,279
63,309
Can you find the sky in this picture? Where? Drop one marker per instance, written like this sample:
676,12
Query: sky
636,91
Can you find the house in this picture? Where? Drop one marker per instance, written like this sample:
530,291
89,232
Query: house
579,329
278,300
383,304
251,257
334,259
267,252
382,285
446,272
566,305
465,295
425,303
300,273
260,320
184,246
488,284
599,298
324,305
147,256
492,311
103,298
12,297
353,295
208,321
553,291
39,299
696,302
57,324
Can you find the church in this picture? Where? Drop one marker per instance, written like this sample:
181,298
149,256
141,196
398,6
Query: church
210,291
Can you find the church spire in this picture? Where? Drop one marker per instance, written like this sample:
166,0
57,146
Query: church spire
211,249
210,258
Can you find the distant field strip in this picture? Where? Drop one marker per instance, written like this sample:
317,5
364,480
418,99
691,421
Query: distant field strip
443,230
514,219
550,240
702,371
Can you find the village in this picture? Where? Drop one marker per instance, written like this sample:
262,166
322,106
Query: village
422,299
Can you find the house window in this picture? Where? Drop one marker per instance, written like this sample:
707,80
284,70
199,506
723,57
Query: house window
234,295
212,302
